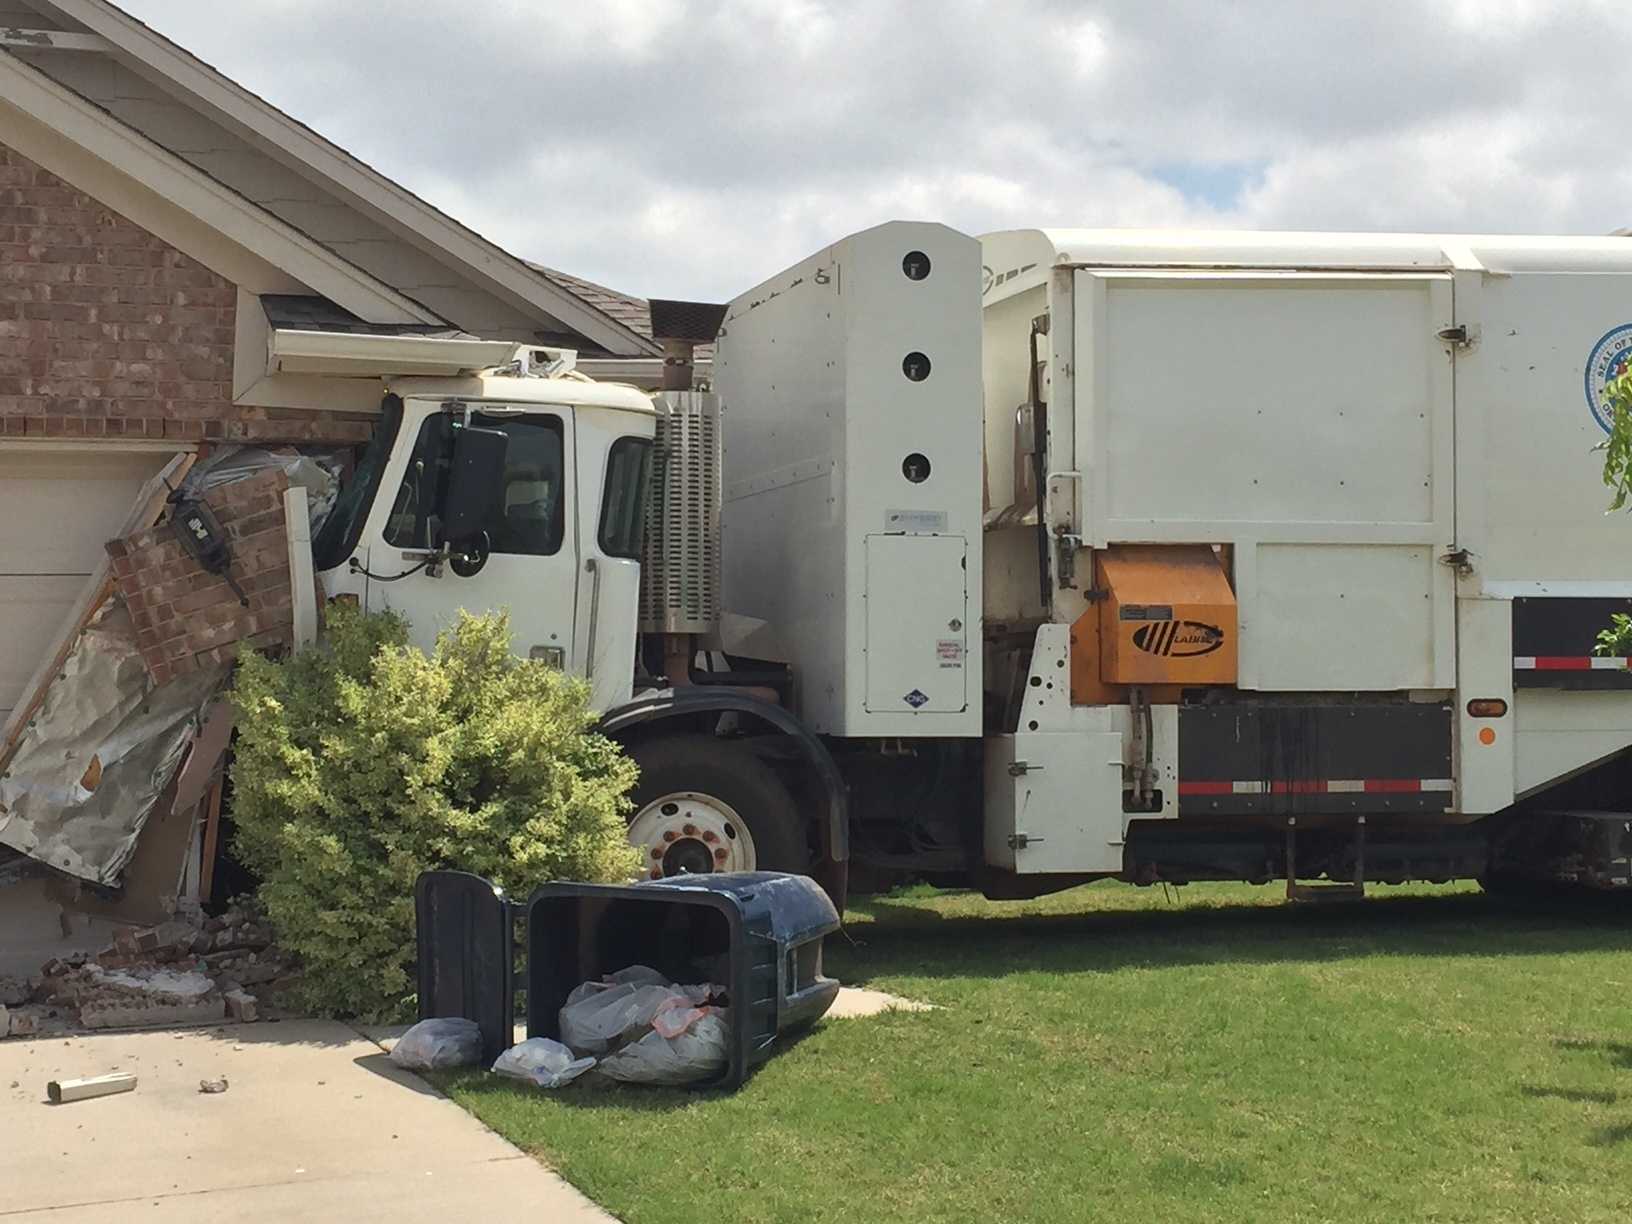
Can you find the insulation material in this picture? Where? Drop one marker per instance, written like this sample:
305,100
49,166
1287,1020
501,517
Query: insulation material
319,472
99,753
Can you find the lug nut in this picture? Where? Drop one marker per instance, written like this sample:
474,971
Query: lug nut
710,836
668,835
690,830
656,874
657,852
721,855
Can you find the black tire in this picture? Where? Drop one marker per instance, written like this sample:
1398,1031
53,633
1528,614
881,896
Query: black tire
727,770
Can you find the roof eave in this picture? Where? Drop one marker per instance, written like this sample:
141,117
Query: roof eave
179,72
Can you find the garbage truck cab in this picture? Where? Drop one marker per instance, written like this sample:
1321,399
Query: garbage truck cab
492,491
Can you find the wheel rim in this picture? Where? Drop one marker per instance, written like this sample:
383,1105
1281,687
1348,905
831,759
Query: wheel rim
687,833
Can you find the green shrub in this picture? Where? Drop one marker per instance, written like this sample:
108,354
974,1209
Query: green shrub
363,762
1617,448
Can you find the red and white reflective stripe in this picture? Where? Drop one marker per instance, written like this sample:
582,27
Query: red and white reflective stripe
1569,663
1322,786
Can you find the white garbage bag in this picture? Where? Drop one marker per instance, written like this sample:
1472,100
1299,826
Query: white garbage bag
636,975
598,1017
699,1050
434,1044
542,1063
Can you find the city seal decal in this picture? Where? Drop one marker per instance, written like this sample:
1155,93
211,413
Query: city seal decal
1611,357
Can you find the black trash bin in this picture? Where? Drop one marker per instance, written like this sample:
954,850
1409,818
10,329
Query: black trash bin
758,933
462,928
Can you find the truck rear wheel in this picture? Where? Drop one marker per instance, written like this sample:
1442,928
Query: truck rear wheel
704,804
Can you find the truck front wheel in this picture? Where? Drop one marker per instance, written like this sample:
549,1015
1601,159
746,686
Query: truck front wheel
704,804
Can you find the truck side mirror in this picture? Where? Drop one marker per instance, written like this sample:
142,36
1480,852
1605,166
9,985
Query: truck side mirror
476,484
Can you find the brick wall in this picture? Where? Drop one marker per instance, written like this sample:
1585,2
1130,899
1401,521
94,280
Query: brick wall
186,617
107,332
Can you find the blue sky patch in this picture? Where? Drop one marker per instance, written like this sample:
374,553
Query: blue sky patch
1218,184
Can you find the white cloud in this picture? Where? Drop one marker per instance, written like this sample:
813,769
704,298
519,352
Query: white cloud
689,148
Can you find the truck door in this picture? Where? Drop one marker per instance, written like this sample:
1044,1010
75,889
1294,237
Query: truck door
532,568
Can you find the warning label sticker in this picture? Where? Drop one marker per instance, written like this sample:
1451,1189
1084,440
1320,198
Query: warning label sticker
949,652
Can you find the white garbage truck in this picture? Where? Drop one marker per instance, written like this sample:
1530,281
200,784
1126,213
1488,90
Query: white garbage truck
1059,555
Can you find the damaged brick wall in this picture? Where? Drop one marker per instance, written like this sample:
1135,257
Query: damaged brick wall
188,618
106,331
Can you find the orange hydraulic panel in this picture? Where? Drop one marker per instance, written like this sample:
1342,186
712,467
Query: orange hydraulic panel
1168,616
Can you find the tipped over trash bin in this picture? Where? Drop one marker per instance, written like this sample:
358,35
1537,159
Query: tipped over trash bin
688,980
741,950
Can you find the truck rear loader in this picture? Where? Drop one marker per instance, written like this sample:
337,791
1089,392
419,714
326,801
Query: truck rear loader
1059,555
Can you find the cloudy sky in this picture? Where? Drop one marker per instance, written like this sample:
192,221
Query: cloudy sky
686,148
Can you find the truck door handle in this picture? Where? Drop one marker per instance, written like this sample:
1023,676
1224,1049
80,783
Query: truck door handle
594,572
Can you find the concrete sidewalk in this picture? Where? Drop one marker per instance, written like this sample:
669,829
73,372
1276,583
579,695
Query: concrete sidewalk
315,1124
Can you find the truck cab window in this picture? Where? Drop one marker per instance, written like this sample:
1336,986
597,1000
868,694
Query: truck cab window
530,516
623,500
531,513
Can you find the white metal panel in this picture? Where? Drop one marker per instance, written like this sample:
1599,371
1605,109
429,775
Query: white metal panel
1561,732
820,418
1224,400
60,507
782,521
1531,498
1322,617
917,624
1016,259
1484,648
1054,801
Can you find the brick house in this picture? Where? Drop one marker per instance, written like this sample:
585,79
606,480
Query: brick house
173,251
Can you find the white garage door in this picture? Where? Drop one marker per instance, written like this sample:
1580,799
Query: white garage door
57,509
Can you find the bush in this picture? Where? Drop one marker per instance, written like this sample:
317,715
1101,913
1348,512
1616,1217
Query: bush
363,762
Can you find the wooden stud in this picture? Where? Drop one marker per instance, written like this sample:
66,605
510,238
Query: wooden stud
212,833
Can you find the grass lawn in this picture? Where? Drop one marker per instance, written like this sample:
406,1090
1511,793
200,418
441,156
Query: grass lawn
1117,1053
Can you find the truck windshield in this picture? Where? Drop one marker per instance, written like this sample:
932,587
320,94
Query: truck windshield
337,538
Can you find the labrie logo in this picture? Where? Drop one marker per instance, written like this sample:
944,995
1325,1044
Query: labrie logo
1178,639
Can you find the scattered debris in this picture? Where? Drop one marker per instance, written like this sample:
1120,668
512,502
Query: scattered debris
62,1091
177,972
212,1086
35,1020
241,1006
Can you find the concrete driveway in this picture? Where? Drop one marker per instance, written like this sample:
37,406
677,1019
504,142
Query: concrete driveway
315,1124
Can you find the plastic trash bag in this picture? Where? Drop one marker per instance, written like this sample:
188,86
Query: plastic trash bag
598,1017
698,1051
542,1063
635,975
433,1044
679,1011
